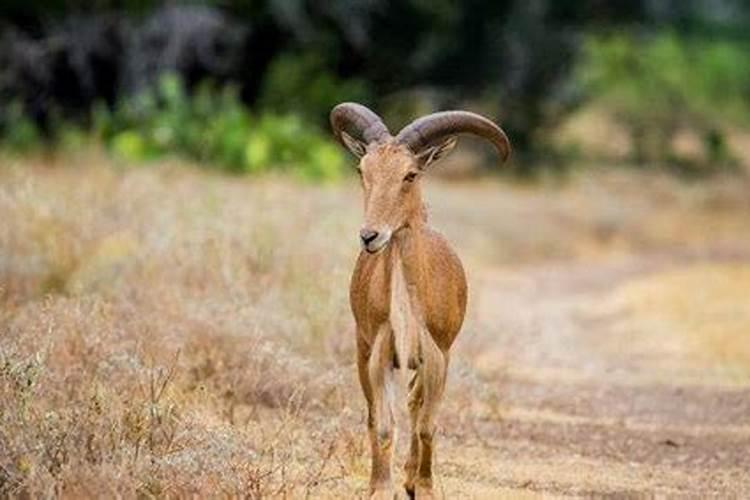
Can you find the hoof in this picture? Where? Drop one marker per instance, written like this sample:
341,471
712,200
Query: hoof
409,488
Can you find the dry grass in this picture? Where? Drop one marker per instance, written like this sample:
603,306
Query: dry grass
167,332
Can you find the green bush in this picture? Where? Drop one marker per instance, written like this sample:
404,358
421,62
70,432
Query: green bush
657,86
22,135
212,126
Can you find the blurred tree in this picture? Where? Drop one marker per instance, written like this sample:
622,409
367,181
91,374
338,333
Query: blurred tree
195,42
78,62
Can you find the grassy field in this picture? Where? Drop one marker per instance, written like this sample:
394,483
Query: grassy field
170,332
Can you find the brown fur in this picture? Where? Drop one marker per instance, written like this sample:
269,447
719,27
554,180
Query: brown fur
409,301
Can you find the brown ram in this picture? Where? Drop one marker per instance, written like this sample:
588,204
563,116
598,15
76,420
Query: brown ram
408,290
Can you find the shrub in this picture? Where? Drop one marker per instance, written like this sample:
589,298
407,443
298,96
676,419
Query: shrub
23,136
213,126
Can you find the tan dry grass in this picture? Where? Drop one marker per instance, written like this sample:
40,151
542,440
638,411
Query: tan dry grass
150,320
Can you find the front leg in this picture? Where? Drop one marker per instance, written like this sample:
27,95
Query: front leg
376,377
432,374
415,403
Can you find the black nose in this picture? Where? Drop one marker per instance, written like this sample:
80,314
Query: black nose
367,235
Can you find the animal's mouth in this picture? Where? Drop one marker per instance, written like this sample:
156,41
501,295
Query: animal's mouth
378,244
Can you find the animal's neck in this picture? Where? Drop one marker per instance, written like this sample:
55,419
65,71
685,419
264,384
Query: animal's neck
410,246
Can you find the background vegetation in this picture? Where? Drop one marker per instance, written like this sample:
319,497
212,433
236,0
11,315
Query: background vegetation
254,73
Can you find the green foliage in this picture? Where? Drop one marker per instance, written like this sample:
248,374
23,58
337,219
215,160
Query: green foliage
286,140
660,85
23,135
301,83
212,126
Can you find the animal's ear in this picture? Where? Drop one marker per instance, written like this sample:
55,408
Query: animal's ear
432,154
357,147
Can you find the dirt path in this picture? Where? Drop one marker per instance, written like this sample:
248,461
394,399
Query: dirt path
598,395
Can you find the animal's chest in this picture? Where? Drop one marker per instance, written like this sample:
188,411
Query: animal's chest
398,300
380,295
401,315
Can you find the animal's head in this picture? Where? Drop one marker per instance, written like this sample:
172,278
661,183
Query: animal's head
391,167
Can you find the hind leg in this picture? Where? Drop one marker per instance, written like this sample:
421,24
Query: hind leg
376,378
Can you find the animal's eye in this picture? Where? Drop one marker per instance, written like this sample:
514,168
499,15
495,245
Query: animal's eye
410,177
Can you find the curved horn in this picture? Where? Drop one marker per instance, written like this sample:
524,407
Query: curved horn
359,121
430,129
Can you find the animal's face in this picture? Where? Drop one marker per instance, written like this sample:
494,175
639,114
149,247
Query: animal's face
390,182
391,166
390,174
